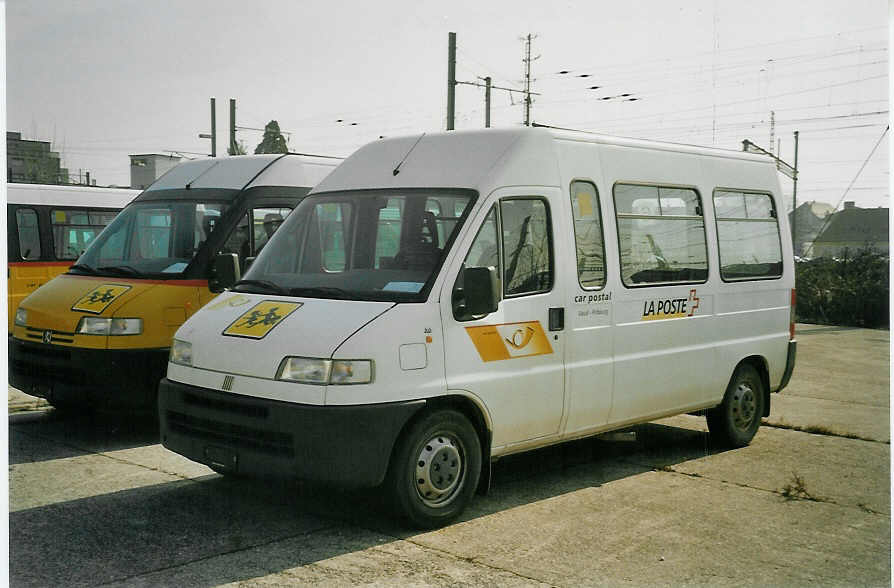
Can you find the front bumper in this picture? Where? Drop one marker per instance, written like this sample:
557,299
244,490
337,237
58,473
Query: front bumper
100,378
345,445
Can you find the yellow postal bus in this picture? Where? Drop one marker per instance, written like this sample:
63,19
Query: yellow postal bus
98,336
48,227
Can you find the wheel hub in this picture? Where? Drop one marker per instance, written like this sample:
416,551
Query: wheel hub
743,406
438,470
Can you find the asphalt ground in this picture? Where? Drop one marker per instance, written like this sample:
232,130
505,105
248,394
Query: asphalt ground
97,501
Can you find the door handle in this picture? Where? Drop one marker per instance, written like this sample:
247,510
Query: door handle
556,319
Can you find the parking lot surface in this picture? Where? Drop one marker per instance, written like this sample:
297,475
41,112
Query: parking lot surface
97,501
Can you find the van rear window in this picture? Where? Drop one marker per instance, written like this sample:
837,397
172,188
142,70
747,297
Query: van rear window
748,234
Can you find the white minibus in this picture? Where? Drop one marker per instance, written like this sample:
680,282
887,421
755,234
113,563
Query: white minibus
443,300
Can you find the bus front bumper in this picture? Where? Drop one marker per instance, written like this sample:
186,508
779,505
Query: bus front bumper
344,445
87,378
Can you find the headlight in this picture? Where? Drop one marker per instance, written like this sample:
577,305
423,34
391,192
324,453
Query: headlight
21,317
354,371
181,352
94,325
310,370
306,370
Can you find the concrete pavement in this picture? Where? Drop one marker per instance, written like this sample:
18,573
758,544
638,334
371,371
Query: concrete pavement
100,502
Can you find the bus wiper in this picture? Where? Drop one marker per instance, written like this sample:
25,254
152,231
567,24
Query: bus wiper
83,267
121,270
323,291
266,284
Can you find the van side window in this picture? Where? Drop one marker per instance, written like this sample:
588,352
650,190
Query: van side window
527,246
484,252
74,229
748,232
265,221
333,222
239,241
388,233
588,235
29,236
661,235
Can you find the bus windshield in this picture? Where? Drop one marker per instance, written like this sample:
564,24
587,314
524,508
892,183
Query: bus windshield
369,245
157,238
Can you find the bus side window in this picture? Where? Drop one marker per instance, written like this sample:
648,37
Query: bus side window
74,229
29,235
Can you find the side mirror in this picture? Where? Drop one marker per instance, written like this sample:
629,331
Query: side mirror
481,289
225,272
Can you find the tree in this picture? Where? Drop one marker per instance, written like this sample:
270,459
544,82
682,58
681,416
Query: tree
273,141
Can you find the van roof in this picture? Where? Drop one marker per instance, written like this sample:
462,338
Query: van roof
244,171
465,159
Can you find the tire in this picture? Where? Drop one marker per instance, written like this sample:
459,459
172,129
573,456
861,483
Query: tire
735,422
228,475
435,468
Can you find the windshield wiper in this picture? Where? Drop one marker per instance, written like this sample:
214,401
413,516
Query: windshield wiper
125,270
83,267
269,286
321,291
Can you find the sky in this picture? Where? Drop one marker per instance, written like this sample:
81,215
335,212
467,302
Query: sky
102,79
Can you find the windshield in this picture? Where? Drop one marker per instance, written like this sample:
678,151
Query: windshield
369,245
153,237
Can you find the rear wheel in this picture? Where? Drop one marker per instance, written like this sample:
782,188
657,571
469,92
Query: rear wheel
435,469
735,422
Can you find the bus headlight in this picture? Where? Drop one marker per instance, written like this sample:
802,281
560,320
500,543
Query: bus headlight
94,325
21,317
311,370
181,352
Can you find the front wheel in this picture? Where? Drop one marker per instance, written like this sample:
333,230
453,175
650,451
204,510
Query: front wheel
735,422
435,468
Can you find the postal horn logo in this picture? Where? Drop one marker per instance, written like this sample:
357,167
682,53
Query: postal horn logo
98,299
509,341
521,337
261,318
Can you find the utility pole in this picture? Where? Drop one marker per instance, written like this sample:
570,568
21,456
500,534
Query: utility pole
795,200
528,61
772,130
488,86
213,129
487,102
451,79
213,135
232,126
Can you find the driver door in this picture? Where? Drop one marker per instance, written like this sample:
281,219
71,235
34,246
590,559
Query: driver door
510,358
